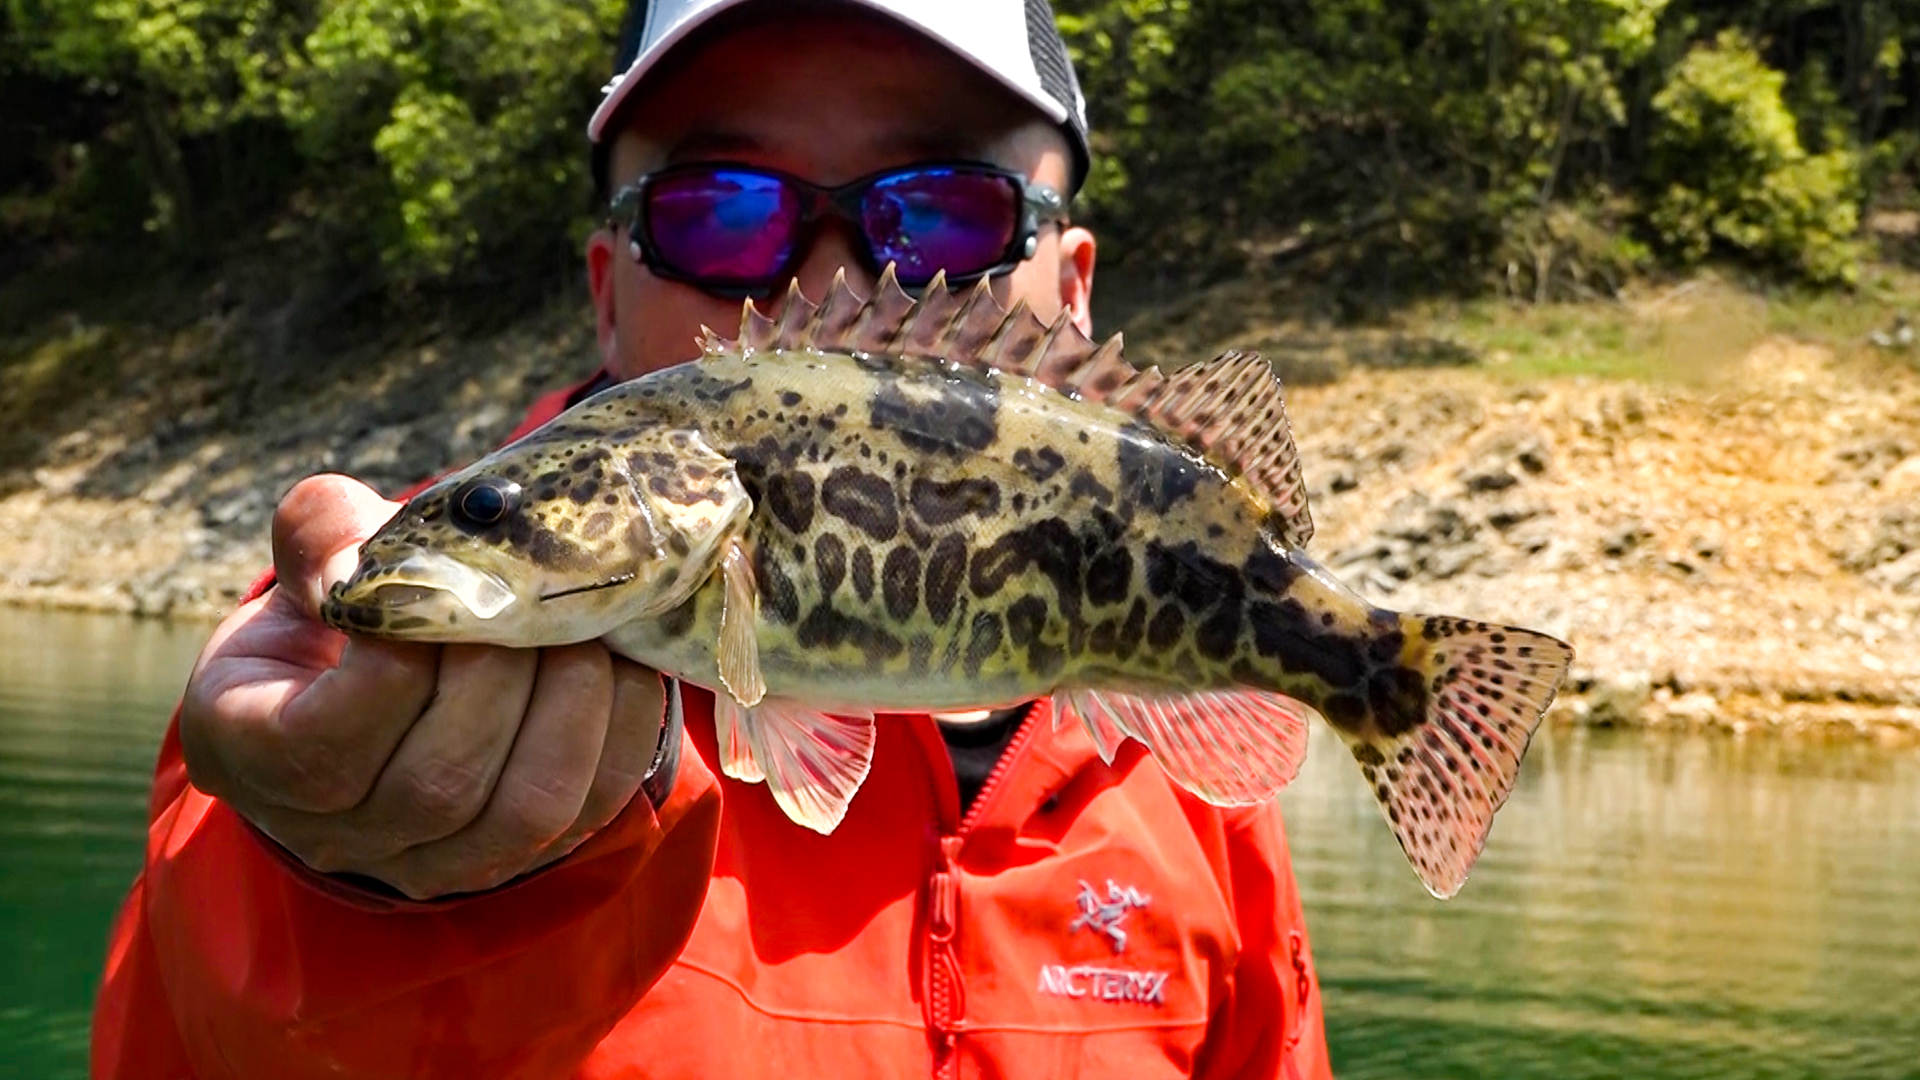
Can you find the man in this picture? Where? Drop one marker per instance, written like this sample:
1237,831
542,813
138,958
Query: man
369,859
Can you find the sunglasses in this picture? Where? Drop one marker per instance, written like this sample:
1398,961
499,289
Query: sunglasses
739,230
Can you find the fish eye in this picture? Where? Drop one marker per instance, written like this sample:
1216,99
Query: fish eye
484,501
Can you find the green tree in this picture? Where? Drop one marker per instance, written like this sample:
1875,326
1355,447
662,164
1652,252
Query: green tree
469,115
180,70
1762,194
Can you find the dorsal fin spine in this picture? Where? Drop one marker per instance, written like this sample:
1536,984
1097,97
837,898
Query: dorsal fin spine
1033,363
1230,409
990,352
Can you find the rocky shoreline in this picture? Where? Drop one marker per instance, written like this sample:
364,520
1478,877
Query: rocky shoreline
1742,554
1738,550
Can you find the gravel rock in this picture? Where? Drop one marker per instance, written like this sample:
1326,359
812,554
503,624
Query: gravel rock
1902,575
1618,700
1622,539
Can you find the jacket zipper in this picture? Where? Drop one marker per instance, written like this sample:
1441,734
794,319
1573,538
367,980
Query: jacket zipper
946,992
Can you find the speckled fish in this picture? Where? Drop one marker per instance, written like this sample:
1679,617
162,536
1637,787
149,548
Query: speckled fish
937,505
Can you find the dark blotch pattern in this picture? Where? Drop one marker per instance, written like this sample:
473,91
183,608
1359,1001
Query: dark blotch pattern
1039,465
829,562
777,595
983,640
863,573
826,628
1168,624
1284,632
1109,576
863,500
708,390
1345,710
900,581
1154,473
677,622
957,415
946,569
790,498
1270,572
1084,486
1048,545
1026,627
942,502
1218,638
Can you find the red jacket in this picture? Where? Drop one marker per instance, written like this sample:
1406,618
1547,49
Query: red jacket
1082,920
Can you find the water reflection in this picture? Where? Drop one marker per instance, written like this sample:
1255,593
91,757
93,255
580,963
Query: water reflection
83,700
1650,907
1674,907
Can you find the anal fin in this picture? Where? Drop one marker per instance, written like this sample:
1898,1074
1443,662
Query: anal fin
812,762
1229,747
1097,718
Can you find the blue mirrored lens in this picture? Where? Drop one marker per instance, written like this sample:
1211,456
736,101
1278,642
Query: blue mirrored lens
723,225
940,219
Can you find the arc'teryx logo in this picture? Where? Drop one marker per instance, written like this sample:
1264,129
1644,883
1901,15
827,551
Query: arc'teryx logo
1105,916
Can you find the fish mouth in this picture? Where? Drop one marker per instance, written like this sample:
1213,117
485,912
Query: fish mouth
422,579
612,582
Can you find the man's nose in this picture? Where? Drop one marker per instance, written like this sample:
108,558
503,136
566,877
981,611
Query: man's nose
836,244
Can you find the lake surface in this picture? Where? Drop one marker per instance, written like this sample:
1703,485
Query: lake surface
1647,907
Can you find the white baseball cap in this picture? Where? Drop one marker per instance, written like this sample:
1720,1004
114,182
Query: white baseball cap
1013,41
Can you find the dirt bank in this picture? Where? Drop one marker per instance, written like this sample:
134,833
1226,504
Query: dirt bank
1734,546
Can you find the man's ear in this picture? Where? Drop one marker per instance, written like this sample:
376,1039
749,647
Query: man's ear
603,247
1076,275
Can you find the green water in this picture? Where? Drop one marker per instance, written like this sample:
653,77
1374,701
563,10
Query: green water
1647,907
83,700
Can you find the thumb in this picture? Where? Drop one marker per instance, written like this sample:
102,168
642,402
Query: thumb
317,531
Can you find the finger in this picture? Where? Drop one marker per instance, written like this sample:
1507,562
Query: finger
445,769
633,733
316,530
321,748
541,790
282,711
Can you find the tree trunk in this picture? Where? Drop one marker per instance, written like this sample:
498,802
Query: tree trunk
160,150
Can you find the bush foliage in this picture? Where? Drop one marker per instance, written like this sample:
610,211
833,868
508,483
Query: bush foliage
1539,146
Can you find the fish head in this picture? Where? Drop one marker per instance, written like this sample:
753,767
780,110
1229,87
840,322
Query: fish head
561,537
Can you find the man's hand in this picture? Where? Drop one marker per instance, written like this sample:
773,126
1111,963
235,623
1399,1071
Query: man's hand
433,769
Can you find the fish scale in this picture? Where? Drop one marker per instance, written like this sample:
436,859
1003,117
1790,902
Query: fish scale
895,505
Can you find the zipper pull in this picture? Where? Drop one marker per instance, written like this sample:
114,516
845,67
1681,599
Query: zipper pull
943,907
943,894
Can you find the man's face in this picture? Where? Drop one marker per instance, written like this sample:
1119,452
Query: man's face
830,98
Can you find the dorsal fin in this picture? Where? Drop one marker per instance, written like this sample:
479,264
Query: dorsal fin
1230,408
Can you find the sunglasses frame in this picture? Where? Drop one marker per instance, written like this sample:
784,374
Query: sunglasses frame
1039,205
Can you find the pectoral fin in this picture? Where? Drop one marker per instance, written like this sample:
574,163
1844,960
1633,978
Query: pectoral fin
812,762
738,652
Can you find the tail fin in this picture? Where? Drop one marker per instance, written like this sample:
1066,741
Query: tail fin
1440,774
